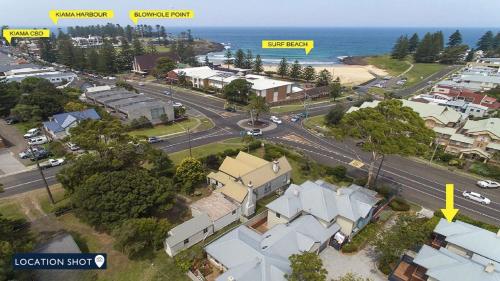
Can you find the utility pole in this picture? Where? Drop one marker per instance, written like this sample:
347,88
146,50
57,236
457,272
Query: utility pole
42,174
189,141
378,171
435,149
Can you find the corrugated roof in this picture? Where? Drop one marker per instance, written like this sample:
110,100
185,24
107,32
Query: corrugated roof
461,138
234,190
187,229
491,125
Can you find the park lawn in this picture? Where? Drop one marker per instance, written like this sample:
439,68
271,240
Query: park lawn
287,108
163,130
11,209
392,66
421,71
205,150
158,267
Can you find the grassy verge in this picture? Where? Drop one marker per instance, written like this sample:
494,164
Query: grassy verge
315,122
177,127
23,127
204,150
421,71
11,210
392,66
58,195
287,108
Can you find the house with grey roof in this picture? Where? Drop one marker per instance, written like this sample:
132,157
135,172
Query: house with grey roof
188,233
458,251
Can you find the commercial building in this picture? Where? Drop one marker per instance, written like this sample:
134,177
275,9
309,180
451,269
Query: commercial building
49,73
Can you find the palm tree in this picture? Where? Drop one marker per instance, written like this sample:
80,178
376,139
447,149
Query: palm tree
257,106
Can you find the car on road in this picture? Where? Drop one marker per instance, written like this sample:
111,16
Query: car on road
141,84
38,140
276,120
476,197
32,133
167,93
488,184
295,118
154,140
255,132
177,104
52,163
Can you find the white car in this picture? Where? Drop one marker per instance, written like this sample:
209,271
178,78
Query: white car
177,104
255,132
32,133
488,184
72,146
38,140
476,197
141,84
52,163
276,120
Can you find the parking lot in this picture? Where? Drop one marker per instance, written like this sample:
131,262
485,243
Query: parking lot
9,164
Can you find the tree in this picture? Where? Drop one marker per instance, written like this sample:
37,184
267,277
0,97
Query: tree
125,57
229,57
239,59
429,48
334,116
10,94
309,74
388,128
137,47
453,55
296,70
486,42
324,78
455,39
306,267
352,277
207,61
93,60
15,237
257,66
189,173
161,164
47,52
107,58
257,106
163,66
248,63
470,55
283,68
413,43
74,106
335,89
401,48
238,91
139,237
108,198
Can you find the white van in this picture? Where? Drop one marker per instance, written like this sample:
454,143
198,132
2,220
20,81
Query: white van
38,140
31,133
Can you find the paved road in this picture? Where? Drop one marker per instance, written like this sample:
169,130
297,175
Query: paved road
416,181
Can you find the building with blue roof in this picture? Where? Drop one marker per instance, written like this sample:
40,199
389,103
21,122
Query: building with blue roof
58,125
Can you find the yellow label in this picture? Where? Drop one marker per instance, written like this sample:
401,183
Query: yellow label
135,15
8,34
307,45
55,15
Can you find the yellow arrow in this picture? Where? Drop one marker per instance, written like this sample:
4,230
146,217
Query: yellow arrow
450,212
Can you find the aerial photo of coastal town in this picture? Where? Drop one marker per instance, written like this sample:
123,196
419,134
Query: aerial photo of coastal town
319,140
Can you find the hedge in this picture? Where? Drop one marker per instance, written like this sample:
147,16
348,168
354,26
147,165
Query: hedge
399,204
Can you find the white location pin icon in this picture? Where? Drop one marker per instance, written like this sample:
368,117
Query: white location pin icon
99,260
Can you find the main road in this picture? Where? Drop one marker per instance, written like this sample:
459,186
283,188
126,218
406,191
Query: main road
417,181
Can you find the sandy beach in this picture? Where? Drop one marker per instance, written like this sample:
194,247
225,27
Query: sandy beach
348,74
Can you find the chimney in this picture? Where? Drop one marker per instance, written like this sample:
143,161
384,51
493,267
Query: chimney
276,166
231,278
339,192
490,267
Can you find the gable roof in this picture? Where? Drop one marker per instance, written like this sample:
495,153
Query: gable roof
62,121
250,256
470,237
325,201
187,229
491,125
148,61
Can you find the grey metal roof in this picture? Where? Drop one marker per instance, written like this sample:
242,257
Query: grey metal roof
472,238
107,93
323,201
144,104
187,229
444,265
116,97
129,101
250,256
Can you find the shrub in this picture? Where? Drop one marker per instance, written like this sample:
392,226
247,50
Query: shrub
231,152
63,208
363,237
339,171
57,149
446,157
255,144
385,191
211,161
361,181
399,204
486,170
187,258
140,123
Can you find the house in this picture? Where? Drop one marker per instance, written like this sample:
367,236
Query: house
350,207
458,251
59,125
306,218
87,42
143,64
247,178
131,105
232,199
469,109
434,115
188,233
487,62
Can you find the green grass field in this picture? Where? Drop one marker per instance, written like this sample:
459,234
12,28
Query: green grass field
392,66
314,122
11,210
204,150
287,108
421,71
177,127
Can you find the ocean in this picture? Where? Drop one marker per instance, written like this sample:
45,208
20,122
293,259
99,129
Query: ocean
330,43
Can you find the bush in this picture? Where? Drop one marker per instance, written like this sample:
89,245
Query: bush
57,149
63,208
231,152
211,161
255,144
361,181
486,170
140,123
187,258
385,268
399,204
446,157
385,191
339,171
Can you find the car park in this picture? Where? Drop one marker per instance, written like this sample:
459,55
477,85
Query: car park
488,184
32,133
276,120
38,140
476,197
255,132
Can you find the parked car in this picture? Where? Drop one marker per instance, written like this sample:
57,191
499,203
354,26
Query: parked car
154,140
476,197
229,107
41,154
52,163
11,120
276,120
167,93
72,146
488,184
32,133
27,152
255,132
38,140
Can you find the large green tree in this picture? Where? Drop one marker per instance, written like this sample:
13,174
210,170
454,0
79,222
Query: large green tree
455,39
388,128
257,66
486,42
283,68
107,58
15,237
413,42
189,173
238,91
257,106
306,267
335,89
309,74
163,66
454,54
401,48
229,57
248,62
9,96
335,114
324,78
239,59
295,70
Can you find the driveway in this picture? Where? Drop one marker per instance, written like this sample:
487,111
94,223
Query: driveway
361,263
9,164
